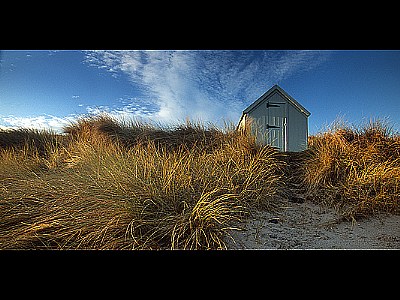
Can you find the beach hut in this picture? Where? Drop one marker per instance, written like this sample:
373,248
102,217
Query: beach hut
277,119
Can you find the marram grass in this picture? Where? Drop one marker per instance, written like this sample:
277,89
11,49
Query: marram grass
132,185
108,185
355,168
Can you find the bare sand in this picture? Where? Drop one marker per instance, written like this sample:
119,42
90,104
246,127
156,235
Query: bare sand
310,226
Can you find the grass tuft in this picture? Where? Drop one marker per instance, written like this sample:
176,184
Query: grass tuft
355,168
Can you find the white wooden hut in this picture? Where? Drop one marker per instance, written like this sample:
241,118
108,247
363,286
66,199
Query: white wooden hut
277,119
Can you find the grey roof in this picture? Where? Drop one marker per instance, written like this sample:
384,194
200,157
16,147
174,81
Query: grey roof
284,94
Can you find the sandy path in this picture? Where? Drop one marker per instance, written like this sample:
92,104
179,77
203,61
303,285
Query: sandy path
309,226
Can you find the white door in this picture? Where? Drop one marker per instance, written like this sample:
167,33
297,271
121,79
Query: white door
276,125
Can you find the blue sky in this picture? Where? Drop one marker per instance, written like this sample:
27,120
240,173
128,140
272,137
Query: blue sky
48,89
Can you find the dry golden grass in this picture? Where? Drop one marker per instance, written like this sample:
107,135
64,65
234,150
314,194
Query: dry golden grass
110,185
130,185
356,169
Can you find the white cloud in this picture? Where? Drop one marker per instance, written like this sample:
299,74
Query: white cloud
46,122
206,85
129,109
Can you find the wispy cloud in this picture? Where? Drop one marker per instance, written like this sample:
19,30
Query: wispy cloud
206,85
